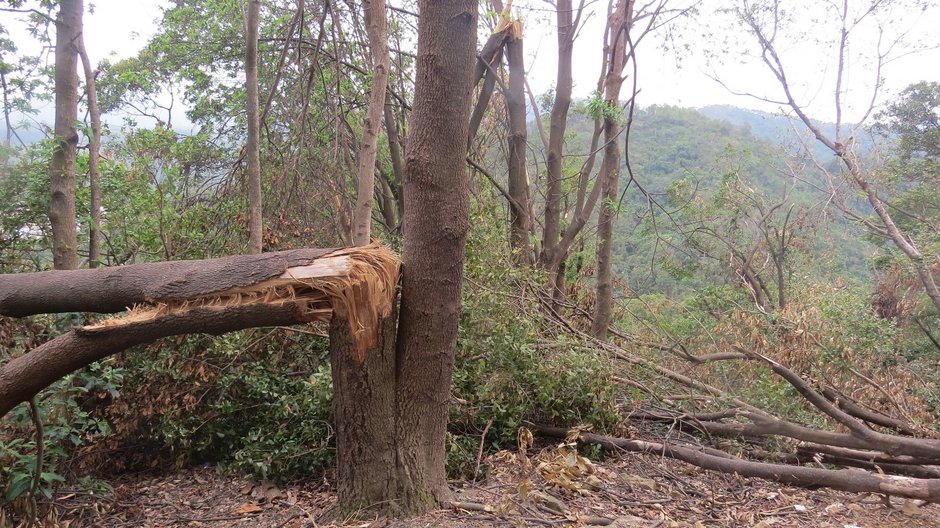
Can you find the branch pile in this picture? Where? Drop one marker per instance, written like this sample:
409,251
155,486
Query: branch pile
884,452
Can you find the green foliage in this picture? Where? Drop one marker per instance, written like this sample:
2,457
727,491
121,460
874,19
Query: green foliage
24,189
69,414
911,176
509,367
596,107
256,404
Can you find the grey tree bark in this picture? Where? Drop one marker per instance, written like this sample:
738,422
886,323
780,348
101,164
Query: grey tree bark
518,170
253,145
619,27
62,213
377,28
394,402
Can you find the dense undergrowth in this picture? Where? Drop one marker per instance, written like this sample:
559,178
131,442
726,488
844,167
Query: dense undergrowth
258,402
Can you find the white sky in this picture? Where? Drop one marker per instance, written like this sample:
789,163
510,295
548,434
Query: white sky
118,28
810,66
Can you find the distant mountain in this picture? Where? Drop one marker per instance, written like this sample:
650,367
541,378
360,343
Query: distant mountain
783,130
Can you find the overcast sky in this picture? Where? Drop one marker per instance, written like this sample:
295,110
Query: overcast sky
118,28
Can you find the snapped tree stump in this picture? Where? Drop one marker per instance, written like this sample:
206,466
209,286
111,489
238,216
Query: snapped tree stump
214,296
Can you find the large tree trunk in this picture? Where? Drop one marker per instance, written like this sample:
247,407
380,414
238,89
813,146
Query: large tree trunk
114,289
94,146
62,215
518,172
377,28
396,465
253,146
436,224
604,300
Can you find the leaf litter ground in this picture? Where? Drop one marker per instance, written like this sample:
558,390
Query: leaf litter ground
553,487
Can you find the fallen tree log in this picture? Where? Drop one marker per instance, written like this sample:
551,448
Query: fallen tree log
115,289
356,285
841,479
763,426
21,378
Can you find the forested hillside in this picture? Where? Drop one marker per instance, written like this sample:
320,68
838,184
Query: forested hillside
673,150
312,263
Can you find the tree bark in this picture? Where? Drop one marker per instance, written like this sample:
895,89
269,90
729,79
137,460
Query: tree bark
556,136
487,63
486,92
388,205
394,153
518,171
62,214
94,147
364,417
377,28
253,145
604,300
113,289
436,224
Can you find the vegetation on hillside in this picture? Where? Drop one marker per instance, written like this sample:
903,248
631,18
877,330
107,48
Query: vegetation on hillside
752,273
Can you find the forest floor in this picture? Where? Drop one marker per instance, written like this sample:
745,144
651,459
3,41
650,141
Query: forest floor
552,487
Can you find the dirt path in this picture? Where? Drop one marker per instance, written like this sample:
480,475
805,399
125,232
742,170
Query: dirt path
553,488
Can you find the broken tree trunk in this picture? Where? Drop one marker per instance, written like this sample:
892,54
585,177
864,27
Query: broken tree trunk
364,417
211,296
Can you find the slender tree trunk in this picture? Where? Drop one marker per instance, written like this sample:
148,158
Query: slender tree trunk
486,92
603,309
436,224
255,228
488,61
94,147
387,205
557,127
377,28
6,109
518,172
394,153
905,244
62,214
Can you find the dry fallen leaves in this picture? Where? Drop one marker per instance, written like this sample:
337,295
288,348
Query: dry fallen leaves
247,508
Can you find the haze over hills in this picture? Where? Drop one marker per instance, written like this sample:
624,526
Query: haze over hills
782,130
